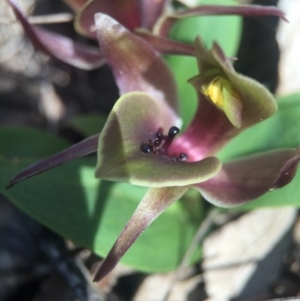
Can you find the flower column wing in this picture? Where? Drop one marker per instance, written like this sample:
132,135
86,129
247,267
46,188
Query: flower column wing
237,103
134,120
248,178
257,103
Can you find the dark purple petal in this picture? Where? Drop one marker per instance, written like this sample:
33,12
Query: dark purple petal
166,46
163,26
153,204
209,130
248,178
58,46
135,64
151,10
78,150
127,12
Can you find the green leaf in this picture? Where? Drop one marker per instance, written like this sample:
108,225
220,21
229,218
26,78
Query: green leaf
279,131
88,125
28,142
226,30
92,213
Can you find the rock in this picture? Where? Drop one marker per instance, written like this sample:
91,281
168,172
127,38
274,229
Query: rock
243,258
289,43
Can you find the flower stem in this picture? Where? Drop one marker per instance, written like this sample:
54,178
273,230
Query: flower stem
199,236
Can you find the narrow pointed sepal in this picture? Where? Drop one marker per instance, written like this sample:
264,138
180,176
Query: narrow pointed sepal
57,46
136,119
75,151
165,46
152,205
165,23
248,178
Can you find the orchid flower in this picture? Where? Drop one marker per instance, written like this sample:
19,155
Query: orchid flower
139,142
147,18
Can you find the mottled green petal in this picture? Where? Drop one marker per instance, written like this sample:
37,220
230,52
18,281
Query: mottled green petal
152,205
135,119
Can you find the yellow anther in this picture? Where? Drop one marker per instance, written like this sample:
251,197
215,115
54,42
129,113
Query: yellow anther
213,91
224,96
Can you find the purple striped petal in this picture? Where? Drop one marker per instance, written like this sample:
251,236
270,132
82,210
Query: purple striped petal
135,64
